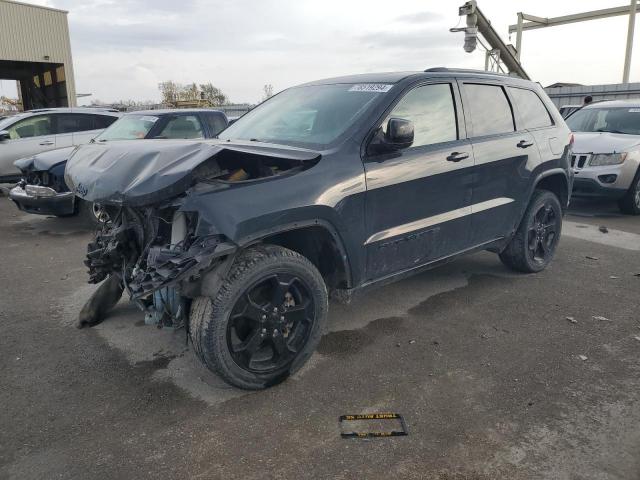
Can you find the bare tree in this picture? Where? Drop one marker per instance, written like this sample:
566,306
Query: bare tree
170,91
213,94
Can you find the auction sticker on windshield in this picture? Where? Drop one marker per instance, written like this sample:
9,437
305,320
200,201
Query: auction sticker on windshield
371,87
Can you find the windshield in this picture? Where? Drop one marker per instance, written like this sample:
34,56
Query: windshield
313,116
129,127
614,120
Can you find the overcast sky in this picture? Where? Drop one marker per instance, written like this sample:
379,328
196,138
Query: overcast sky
122,50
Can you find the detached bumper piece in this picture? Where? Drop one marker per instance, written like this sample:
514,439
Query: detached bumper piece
166,266
42,200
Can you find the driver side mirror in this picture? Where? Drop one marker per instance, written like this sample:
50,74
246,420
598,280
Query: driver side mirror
398,136
4,135
399,133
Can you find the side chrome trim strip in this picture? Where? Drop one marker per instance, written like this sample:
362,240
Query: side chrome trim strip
437,219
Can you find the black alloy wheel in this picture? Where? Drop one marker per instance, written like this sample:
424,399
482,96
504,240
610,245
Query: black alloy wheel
270,323
542,234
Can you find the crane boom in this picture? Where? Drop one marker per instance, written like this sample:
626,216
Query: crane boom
477,20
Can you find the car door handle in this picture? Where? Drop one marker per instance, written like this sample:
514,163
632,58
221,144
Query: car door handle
524,144
457,156
46,142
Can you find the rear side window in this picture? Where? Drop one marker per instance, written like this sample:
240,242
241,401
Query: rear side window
432,111
74,122
103,121
490,110
532,111
215,122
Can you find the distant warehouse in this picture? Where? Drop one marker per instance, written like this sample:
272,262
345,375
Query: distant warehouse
35,50
573,93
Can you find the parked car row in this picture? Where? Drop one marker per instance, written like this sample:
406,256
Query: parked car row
42,188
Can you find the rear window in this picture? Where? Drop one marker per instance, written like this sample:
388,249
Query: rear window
489,108
532,111
216,123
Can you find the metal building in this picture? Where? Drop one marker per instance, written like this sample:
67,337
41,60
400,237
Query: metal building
35,50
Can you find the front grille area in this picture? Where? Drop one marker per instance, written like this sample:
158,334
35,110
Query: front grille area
579,161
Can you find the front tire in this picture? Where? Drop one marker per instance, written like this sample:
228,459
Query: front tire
533,246
93,213
630,203
264,322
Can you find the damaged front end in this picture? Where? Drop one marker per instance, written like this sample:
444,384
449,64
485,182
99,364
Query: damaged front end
151,244
158,260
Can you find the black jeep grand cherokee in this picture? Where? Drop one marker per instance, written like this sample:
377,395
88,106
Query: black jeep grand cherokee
331,186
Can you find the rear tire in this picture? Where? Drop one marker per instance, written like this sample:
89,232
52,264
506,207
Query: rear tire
264,322
630,203
533,246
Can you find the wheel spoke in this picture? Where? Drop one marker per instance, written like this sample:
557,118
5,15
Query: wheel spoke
533,243
281,346
297,314
544,248
251,344
281,287
249,309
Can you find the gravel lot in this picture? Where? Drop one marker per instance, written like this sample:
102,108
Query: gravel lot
493,379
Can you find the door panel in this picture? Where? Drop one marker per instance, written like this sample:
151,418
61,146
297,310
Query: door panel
29,136
501,183
504,159
417,207
80,138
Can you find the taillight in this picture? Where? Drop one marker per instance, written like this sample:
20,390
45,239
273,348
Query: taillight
571,139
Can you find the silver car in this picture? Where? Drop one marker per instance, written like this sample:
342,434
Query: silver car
40,130
606,152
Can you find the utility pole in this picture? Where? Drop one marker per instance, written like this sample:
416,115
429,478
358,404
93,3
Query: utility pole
627,55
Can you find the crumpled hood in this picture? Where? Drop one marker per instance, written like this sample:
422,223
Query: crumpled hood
140,172
42,162
604,142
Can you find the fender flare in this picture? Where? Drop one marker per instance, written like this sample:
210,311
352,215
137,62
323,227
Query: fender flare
259,236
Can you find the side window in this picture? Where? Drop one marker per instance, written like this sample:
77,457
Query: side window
182,126
103,121
74,122
31,127
432,110
533,112
215,122
489,108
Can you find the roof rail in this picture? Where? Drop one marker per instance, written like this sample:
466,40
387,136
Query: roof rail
463,70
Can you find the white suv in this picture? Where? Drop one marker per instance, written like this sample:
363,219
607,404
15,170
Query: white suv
36,131
606,152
